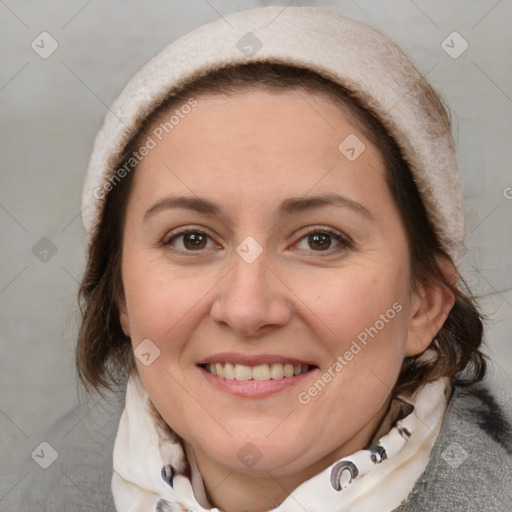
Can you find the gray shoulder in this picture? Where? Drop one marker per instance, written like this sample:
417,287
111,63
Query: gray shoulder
78,449
470,468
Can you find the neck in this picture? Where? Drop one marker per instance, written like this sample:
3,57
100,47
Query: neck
232,491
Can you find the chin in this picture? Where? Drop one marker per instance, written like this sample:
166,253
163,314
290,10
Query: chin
247,453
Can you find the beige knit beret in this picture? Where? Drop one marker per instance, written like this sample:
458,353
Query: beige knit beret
347,51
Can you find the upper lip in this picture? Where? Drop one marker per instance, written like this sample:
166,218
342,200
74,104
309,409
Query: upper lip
252,360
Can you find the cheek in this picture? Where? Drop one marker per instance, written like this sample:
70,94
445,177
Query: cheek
166,308
159,299
356,302
361,319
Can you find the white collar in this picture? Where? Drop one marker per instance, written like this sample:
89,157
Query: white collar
146,459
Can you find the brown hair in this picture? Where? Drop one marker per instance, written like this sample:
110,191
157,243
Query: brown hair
104,355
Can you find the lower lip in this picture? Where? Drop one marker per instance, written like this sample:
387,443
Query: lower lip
254,388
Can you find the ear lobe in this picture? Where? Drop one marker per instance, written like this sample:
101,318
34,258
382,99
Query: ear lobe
431,305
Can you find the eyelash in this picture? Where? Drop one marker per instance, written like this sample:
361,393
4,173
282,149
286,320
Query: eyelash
344,242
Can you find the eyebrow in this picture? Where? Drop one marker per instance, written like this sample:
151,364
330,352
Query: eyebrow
290,206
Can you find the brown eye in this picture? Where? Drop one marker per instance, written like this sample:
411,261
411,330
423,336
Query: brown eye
320,241
189,241
324,239
194,241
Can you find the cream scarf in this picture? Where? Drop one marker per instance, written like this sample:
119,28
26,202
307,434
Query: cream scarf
153,474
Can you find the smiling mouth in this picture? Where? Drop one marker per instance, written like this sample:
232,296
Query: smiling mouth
275,371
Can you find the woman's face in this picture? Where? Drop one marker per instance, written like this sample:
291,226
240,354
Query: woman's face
261,240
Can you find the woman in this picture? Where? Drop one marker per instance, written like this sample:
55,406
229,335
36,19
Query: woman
274,223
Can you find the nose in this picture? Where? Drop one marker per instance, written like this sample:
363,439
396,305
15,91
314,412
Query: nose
252,300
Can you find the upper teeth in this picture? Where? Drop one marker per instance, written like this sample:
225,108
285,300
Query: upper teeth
259,372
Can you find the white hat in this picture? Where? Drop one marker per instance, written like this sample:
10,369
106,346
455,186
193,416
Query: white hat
349,52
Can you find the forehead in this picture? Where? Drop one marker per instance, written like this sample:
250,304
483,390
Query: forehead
256,145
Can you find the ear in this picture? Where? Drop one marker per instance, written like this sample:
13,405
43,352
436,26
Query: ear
123,316
431,304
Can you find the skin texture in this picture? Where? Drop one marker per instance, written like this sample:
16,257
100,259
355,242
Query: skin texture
248,152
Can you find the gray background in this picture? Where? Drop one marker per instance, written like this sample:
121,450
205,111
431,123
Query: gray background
52,107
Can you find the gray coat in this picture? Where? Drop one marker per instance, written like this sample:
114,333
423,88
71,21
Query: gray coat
470,467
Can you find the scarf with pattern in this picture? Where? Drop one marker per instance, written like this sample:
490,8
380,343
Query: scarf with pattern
153,472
